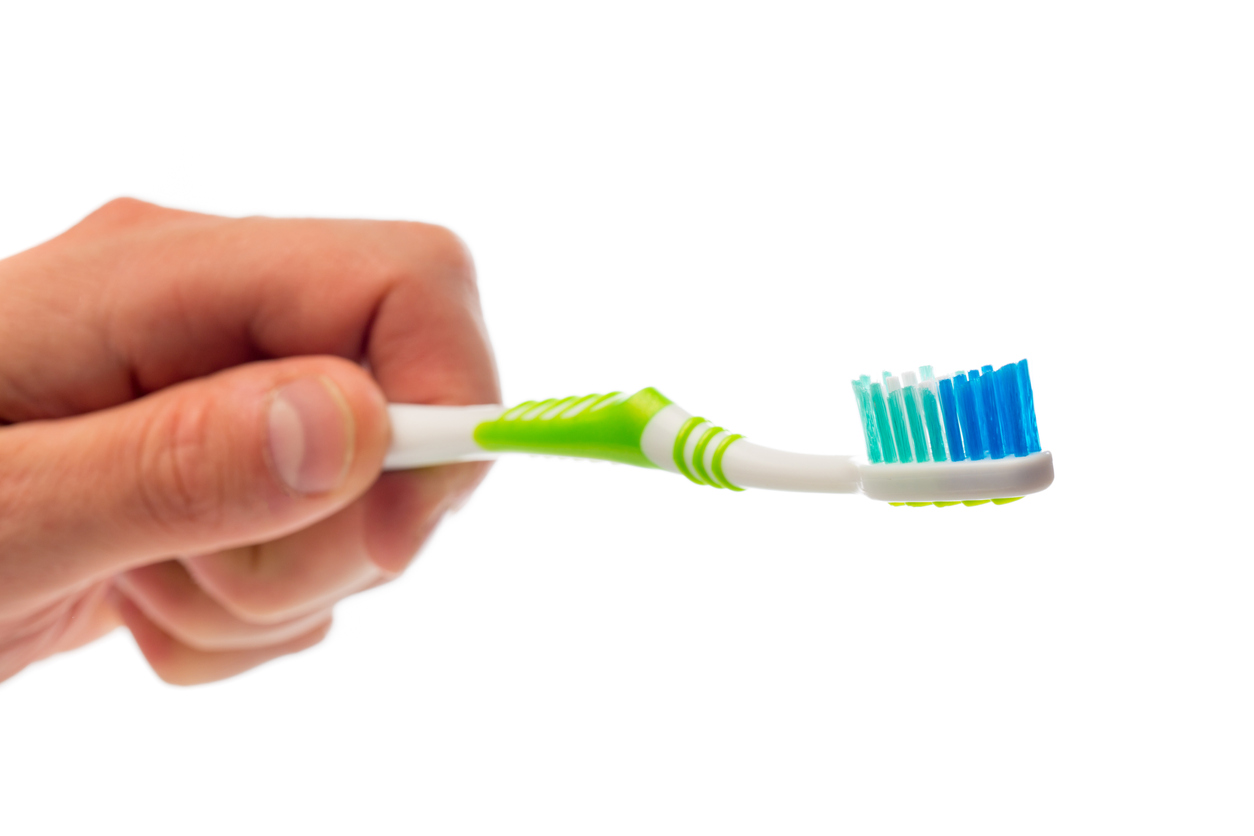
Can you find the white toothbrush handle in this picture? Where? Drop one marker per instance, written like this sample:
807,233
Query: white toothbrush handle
429,435
745,464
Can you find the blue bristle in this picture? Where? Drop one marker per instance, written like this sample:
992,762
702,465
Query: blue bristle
1028,408
991,423
949,410
1010,413
972,377
969,417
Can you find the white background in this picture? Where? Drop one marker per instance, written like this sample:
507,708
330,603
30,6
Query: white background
745,206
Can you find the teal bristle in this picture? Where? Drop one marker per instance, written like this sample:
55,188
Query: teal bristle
931,414
884,430
897,412
914,416
929,392
862,393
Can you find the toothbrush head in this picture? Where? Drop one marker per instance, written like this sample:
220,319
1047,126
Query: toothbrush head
969,437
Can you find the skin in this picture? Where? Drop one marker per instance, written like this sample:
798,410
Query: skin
141,353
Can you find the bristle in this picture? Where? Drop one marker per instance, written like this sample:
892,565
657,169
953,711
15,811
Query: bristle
897,413
969,417
1010,414
862,394
884,429
931,415
1028,408
979,414
984,387
949,408
914,415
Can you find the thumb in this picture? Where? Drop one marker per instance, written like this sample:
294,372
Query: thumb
240,457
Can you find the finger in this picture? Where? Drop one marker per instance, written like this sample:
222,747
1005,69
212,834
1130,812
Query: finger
307,571
179,664
250,454
403,509
94,616
69,622
168,596
183,295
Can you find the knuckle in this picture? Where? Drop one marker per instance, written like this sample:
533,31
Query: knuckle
441,252
243,581
266,604
124,211
315,636
261,609
449,246
197,634
174,674
179,484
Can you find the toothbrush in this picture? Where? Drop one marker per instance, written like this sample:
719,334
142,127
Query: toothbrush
967,438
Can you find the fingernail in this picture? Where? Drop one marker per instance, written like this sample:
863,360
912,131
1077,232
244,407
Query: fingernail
311,435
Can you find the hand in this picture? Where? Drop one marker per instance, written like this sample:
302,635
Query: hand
194,442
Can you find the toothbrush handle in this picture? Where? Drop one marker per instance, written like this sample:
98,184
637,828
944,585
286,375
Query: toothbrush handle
430,435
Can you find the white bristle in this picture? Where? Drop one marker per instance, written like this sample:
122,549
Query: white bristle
892,384
909,379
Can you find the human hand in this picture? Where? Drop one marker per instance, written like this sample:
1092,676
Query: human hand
194,443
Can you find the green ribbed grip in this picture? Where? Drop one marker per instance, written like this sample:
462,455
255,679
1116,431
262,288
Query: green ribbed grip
607,427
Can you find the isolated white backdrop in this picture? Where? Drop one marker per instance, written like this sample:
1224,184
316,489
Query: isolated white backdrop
746,206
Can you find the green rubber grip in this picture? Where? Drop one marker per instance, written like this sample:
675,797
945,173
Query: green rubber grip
607,427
